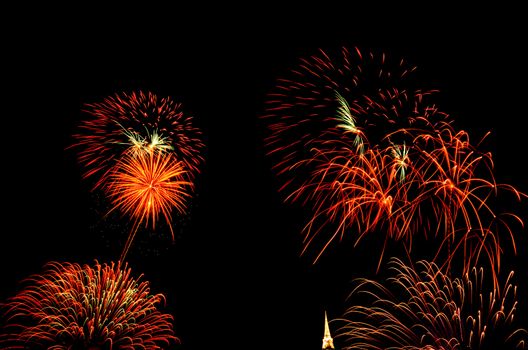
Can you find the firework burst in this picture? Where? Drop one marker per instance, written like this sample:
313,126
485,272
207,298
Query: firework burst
146,185
132,123
367,154
71,306
144,153
346,97
423,308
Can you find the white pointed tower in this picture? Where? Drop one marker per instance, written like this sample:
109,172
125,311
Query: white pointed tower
328,342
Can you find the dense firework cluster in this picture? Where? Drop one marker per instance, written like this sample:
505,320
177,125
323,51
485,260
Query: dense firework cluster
420,307
70,306
352,139
358,144
368,153
144,153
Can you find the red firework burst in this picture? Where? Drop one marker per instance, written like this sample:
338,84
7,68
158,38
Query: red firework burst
368,154
71,306
136,122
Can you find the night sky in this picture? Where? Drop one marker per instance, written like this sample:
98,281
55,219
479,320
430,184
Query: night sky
234,277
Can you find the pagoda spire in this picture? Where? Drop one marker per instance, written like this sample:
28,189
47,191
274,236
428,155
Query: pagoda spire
328,342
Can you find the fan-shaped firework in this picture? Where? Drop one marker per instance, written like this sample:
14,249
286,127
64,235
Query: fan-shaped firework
425,309
368,154
136,122
71,306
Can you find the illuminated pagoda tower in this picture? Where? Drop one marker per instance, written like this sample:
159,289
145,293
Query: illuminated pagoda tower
328,342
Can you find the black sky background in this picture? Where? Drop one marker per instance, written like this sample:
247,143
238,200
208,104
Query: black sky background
234,277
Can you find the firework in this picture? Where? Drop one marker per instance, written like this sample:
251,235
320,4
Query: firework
338,121
348,97
72,306
368,154
135,123
144,153
147,185
423,308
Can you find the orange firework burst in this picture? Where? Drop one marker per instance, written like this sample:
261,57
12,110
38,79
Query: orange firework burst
146,185
368,154
83,307
423,308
